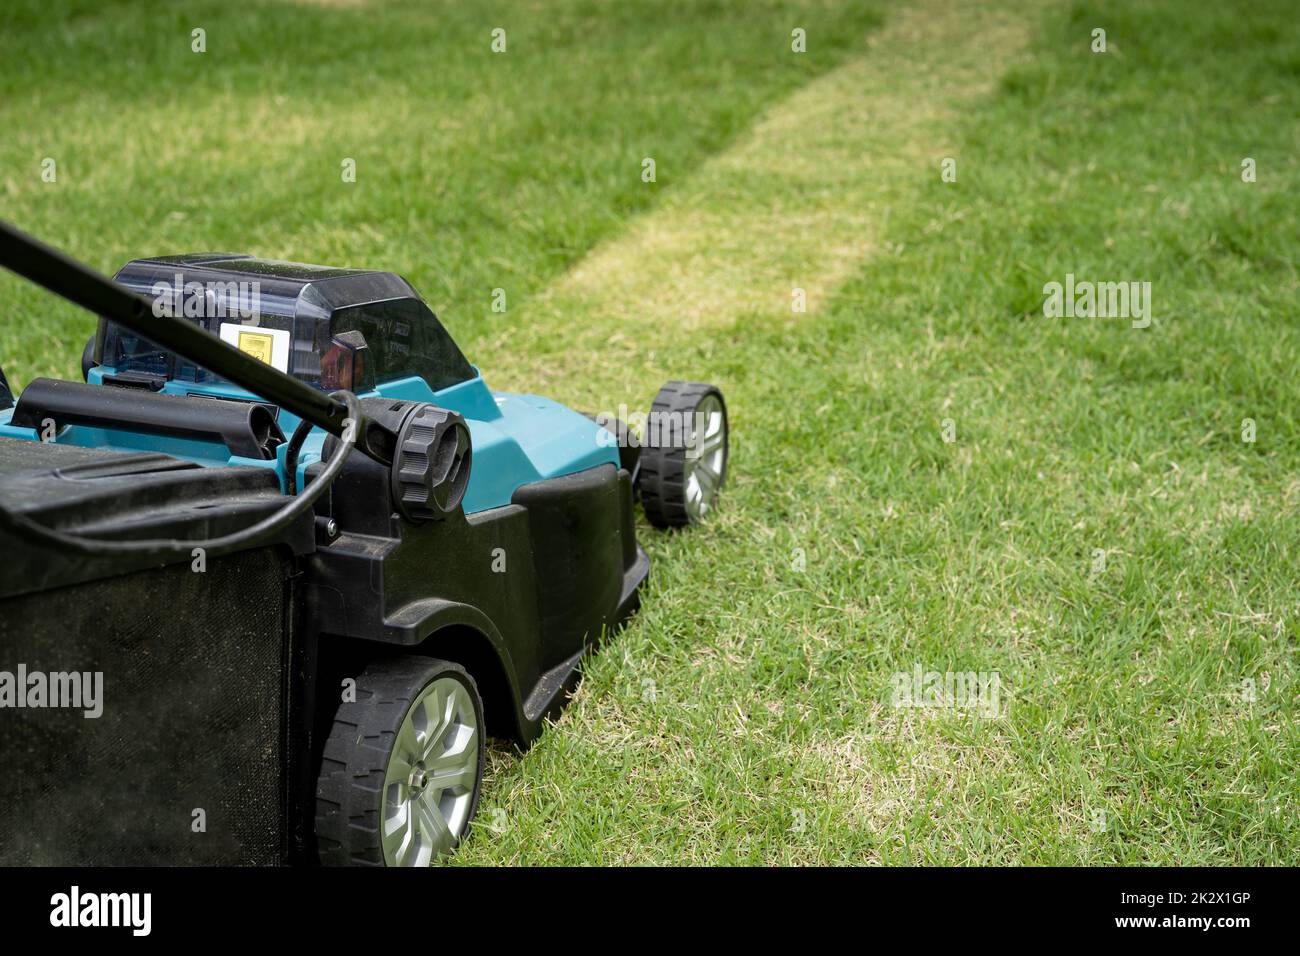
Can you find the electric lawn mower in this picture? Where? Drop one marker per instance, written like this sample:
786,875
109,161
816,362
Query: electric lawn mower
314,559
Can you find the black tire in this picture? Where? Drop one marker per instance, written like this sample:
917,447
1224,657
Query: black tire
664,479
350,788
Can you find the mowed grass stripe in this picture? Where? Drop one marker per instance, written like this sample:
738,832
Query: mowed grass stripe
675,747
797,204
747,715
474,170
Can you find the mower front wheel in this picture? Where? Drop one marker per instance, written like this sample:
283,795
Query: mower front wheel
403,765
683,459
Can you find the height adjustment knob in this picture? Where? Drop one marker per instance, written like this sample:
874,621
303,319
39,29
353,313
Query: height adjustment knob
431,463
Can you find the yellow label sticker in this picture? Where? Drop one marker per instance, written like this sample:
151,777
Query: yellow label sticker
257,344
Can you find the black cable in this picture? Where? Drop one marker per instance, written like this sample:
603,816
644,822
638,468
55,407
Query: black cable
96,547
291,455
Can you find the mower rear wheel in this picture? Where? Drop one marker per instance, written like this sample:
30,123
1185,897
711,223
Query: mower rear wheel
683,459
403,765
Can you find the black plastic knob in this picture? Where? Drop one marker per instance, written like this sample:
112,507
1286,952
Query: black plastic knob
431,463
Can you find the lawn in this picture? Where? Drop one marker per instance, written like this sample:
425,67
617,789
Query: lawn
928,475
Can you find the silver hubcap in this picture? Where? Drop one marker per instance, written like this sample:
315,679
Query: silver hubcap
706,456
429,786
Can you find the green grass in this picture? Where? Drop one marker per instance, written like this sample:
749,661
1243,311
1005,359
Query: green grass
475,171
745,716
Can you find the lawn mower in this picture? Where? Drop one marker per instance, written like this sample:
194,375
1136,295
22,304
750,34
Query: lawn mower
310,557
